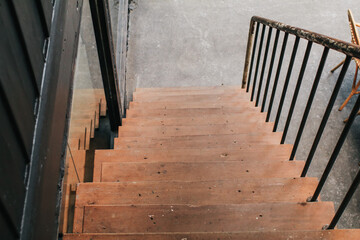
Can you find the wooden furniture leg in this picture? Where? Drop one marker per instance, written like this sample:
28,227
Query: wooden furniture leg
337,66
353,90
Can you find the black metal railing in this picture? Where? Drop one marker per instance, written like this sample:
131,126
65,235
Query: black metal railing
250,82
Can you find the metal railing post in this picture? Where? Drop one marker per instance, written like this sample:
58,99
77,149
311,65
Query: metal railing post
248,53
326,115
104,42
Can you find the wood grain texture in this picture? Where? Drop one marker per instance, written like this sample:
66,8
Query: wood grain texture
198,171
271,153
234,141
348,234
207,218
168,131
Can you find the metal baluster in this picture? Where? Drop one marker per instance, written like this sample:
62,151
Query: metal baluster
252,56
248,54
283,48
258,61
309,102
286,84
297,89
345,201
263,66
270,70
326,115
337,149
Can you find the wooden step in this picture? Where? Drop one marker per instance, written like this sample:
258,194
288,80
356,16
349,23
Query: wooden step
190,112
237,191
83,133
187,88
174,105
271,153
192,89
198,171
195,120
168,131
93,114
348,234
89,104
235,141
85,122
145,96
194,98
207,218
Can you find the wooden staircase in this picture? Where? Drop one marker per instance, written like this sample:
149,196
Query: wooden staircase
199,163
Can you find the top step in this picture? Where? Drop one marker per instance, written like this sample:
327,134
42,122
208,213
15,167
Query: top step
188,89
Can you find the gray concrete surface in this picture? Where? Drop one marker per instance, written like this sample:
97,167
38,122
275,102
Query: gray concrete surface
203,42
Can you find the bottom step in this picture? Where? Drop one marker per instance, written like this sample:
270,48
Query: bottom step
295,235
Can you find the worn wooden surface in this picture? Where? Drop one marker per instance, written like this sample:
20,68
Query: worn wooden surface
198,171
168,131
198,163
348,234
235,141
202,120
272,153
204,218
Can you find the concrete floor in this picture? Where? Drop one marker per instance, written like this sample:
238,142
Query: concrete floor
203,42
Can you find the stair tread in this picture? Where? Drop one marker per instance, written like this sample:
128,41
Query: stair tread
189,112
191,92
349,234
194,98
195,120
191,218
163,131
175,105
233,191
198,171
236,191
272,153
187,89
223,92
237,141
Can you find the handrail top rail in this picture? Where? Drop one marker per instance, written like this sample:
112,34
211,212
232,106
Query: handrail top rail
347,48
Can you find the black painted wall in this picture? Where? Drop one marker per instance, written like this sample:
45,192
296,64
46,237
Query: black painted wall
38,42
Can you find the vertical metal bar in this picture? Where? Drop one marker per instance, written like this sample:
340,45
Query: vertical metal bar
345,201
286,84
263,66
337,149
248,53
297,89
283,48
253,56
326,115
270,70
104,42
309,102
258,61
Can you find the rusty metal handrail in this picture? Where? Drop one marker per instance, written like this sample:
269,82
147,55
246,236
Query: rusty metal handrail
347,48
351,51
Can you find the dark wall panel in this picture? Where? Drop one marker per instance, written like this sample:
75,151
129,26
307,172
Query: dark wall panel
17,83
31,92
47,11
32,33
12,170
6,231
